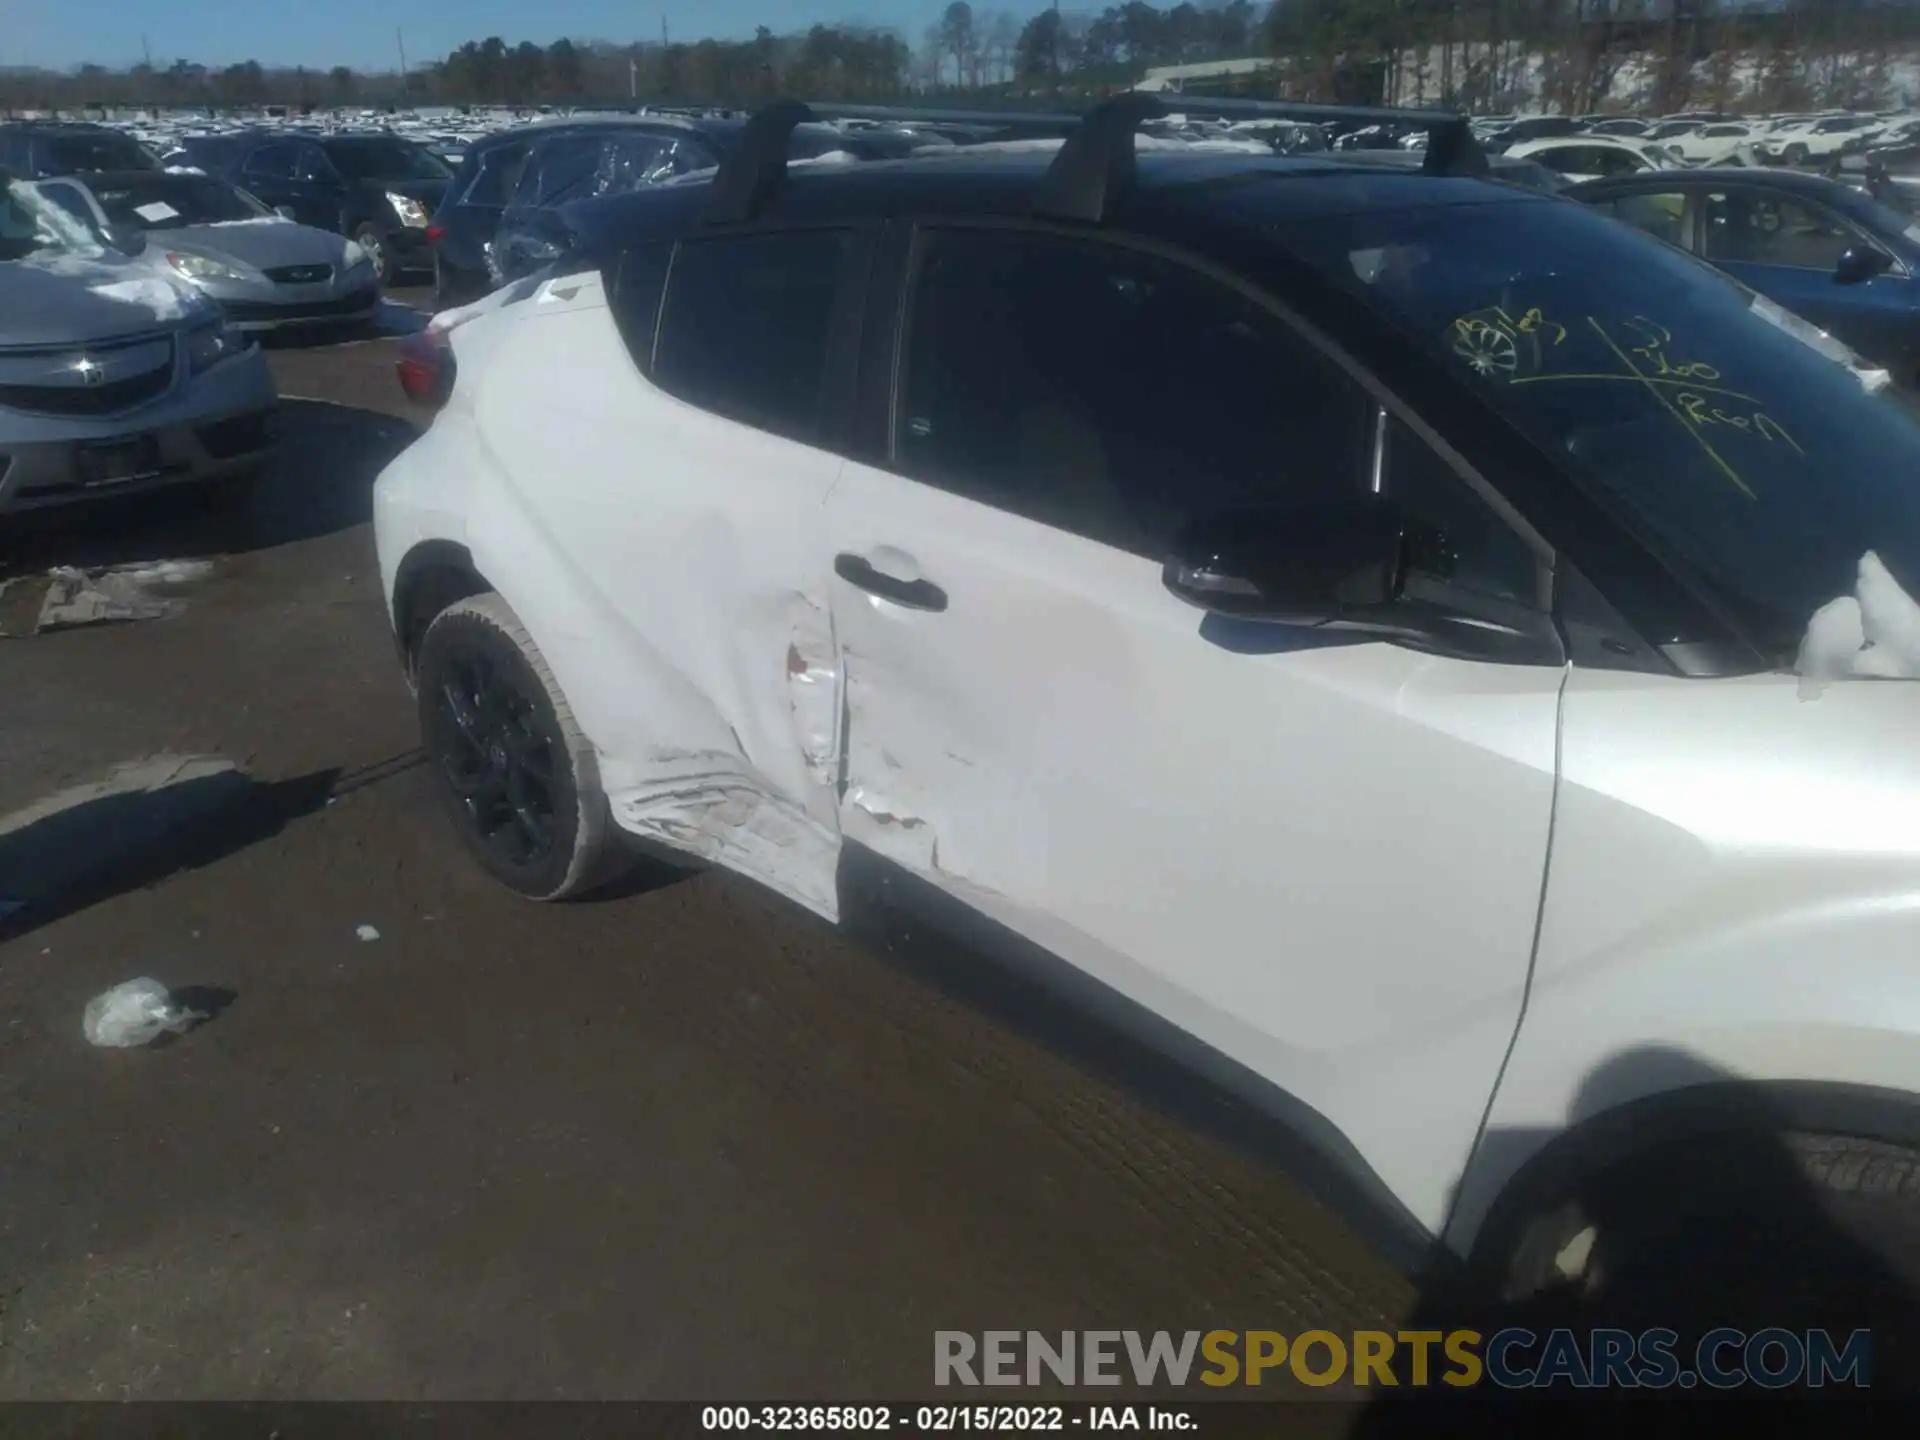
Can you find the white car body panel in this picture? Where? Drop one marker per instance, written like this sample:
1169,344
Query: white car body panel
1734,891
1712,144
1645,154
669,564
1264,848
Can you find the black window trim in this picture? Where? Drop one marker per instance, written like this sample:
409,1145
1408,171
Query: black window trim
922,228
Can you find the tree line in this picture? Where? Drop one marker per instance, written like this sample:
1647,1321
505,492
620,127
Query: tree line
1478,54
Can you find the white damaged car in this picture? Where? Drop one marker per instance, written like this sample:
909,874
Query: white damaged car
1438,658
115,374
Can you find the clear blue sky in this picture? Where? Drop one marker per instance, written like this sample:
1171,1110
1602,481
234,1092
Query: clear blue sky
323,33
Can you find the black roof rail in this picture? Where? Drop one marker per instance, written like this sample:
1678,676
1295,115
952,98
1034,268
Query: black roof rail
1094,166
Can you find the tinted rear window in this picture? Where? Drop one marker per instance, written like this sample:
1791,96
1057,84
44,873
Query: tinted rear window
495,170
746,327
66,154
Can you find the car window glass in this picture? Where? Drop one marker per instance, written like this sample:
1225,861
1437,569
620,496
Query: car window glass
1659,215
1480,551
1114,394
68,154
1752,450
310,163
560,170
496,168
628,162
1614,160
1567,159
1756,227
69,200
746,326
272,162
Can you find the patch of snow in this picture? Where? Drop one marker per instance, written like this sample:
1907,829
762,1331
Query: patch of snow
1873,633
164,572
367,933
70,264
159,210
250,220
162,297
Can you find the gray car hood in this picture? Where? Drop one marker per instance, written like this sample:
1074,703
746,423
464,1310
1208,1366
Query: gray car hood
59,298
263,244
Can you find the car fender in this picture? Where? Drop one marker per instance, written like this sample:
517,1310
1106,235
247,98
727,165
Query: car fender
446,496
1824,997
1733,898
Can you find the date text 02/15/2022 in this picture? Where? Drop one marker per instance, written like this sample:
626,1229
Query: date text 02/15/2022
940,1419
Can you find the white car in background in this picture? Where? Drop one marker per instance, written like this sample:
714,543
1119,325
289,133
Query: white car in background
1712,144
1820,139
1595,157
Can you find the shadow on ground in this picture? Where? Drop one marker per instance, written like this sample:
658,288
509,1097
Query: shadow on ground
79,855
66,857
321,482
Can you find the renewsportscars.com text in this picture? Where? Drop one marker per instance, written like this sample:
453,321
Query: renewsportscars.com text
1723,1359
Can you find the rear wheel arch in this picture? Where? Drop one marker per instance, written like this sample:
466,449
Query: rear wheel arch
433,576
1886,1121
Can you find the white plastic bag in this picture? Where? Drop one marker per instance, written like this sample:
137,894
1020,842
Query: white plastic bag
136,1013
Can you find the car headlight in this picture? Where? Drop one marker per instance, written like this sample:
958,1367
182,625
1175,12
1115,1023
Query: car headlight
201,267
411,212
210,344
353,255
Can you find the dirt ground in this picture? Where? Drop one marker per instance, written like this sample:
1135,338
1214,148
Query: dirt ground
683,1142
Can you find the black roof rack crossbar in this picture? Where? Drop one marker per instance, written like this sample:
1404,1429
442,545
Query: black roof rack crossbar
1096,165
748,178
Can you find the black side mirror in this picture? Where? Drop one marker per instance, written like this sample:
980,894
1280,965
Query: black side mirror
1343,564
128,239
1860,263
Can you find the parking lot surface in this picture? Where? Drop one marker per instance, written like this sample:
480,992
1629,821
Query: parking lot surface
680,1142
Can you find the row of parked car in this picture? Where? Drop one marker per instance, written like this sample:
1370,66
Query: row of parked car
277,229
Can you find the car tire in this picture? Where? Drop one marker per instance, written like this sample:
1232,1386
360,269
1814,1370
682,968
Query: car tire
1796,154
1737,1228
517,777
368,237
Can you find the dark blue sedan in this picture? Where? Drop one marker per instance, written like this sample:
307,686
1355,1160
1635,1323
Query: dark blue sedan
1825,251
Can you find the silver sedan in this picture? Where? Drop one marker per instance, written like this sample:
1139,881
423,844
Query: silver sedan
115,373
264,271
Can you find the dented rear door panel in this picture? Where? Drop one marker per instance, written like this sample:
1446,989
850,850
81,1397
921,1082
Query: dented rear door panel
702,660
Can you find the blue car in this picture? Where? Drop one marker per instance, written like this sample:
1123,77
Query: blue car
1826,251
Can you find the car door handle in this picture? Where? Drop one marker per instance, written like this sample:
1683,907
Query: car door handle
858,571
